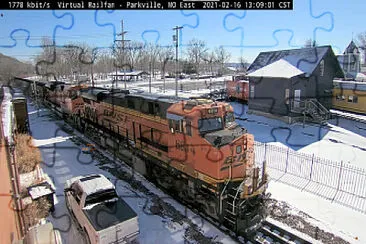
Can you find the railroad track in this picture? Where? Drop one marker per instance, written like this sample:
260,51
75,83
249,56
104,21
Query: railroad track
268,233
271,233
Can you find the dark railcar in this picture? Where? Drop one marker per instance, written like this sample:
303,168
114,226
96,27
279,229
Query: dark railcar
19,103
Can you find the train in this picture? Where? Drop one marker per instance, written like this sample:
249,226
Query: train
20,111
191,148
349,96
238,88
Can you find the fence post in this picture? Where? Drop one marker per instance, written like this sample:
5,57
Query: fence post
340,174
312,163
288,149
265,151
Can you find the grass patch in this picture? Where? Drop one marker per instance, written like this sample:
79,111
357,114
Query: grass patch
36,211
27,155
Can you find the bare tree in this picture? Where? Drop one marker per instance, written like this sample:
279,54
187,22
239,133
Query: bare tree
46,59
222,56
152,50
104,63
165,54
196,50
243,64
362,44
210,58
134,52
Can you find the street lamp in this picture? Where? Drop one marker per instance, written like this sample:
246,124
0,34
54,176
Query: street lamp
176,40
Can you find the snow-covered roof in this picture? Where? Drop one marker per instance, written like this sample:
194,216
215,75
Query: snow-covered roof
304,59
94,183
350,85
278,69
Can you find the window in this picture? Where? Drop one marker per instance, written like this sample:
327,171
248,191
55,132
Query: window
252,91
229,118
101,196
237,88
212,110
130,104
151,108
238,149
322,68
287,96
208,125
352,99
189,128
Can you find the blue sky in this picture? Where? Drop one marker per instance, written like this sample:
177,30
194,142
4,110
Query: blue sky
243,33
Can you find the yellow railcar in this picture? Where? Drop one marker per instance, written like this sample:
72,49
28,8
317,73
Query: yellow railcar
349,96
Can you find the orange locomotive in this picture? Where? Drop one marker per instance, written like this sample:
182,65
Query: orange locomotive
238,88
192,148
64,97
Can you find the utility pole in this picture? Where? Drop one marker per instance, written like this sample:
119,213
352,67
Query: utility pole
176,40
123,33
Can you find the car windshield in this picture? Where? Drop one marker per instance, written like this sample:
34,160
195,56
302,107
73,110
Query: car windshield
101,196
208,125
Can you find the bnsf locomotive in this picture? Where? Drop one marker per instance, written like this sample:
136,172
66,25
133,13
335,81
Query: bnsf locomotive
191,147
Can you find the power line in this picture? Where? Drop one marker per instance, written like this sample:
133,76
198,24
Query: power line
123,33
176,40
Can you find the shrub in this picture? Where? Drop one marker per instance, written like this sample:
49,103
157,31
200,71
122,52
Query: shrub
27,155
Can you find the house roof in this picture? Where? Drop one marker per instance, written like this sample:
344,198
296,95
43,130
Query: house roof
129,73
351,47
304,59
278,69
345,59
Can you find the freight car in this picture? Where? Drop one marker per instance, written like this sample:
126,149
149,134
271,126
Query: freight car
349,96
192,148
238,88
19,105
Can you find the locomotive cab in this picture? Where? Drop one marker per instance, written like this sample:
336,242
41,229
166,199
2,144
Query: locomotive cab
206,139
222,149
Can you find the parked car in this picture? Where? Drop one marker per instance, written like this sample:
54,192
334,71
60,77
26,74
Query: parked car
101,214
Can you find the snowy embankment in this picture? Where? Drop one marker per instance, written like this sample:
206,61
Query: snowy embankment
7,113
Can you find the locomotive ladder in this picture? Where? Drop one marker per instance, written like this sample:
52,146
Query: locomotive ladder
232,207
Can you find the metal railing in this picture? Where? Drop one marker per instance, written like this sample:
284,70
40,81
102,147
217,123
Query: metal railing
338,181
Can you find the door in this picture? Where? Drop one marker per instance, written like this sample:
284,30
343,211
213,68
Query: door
297,98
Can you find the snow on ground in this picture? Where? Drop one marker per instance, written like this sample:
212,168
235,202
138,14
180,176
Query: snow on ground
6,108
349,115
64,160
342,221
340,145
331,142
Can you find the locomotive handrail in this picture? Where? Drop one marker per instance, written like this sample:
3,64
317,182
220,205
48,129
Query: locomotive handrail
222,193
